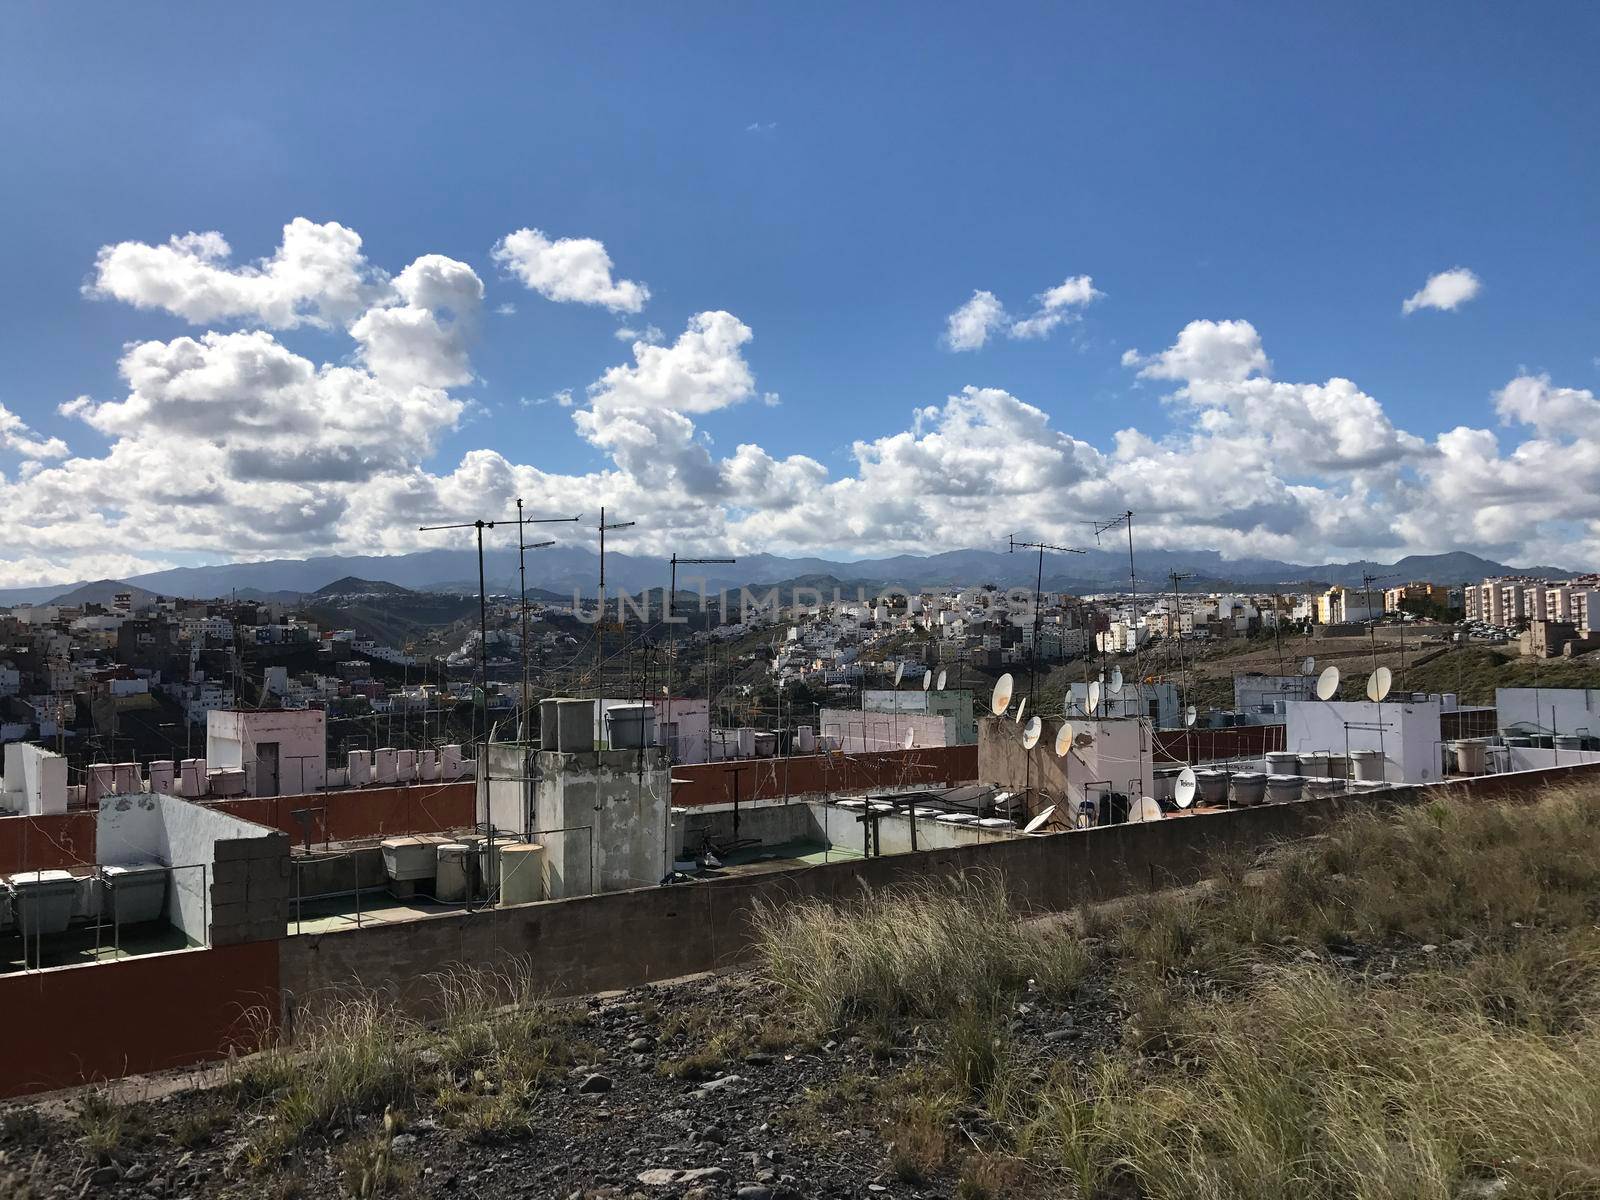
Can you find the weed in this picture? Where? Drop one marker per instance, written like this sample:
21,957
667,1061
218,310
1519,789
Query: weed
102,1124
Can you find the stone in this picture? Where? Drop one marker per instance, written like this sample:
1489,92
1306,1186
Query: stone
403,1143
716,1085
593,1085
702,1175
641,1045
753,1191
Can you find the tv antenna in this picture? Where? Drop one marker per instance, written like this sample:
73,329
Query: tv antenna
1106,526
672,628
1367,580
1038,599
483,611
522,582
600,626
1176,624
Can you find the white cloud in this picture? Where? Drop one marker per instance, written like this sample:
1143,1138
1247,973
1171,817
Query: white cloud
650,333
1446,291
702,371
317,276
1553,411
971,325
568,269
983,316
1206,351
16,435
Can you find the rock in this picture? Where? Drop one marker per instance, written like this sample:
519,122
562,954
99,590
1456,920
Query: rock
641,1045
103,1176
716,1085
1430,948
1310,956
702,1175
403,1143
593,1085
715,1134
135,1173
753,1191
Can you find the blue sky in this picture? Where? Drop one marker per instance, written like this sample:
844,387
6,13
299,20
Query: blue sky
841,179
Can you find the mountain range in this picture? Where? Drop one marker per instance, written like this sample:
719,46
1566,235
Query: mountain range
567,569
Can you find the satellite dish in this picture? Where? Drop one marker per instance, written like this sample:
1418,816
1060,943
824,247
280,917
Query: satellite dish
899,672
1144,809
1000,698
1064,739
927,680
1190,715
1040,821
1094,695
1378,684
939,685
1309,666
1327,683
1183,790
1031,732
1101,677
1116,679
910,739
1021,705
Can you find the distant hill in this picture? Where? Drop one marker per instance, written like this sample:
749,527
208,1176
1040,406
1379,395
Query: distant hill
563,570
350,585
102,591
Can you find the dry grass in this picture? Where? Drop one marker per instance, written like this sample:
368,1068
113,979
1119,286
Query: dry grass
922,953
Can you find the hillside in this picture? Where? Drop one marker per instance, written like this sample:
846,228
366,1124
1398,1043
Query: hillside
351,585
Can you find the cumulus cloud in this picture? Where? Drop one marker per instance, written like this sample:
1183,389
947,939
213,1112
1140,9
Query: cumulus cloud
227,443
576,270
16,435
317,276
971,325
1446,291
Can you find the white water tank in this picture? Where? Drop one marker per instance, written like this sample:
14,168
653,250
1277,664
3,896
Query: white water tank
1212,786
1314,764
384,763
746,742
408,859
360,767
225,781
521,873
1471,756
135,892
42,901
453,877
571,730
631,726
192,778
1282,789
163,775
1249,788
1368,765
1448,702
101,781
766,745
126,779
806,739
427,765
450,762
405,765
1282,762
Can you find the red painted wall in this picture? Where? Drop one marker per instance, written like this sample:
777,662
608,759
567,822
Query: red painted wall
1202,745
68,839
72,1025
774,778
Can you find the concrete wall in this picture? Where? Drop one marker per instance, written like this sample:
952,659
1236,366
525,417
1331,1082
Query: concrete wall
1409,737
1115,752
35,780
235,739
603,820
844,827
230,877
869,732
1529,710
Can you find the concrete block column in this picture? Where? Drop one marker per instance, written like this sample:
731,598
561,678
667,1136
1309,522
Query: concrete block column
250,886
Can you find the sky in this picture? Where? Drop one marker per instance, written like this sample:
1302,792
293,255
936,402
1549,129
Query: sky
1309,284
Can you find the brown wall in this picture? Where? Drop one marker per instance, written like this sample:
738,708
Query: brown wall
68,839
1204,745
72,1025
775,778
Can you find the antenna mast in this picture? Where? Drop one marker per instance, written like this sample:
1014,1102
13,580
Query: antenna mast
1133,580
600,626
1038,605
672,638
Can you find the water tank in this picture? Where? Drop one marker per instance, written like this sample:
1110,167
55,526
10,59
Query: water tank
1249,788
572,730
163,776
1448,702
427,765
405,765
1471,756
1338,766
453,877
1212,786
192,777
226,781
1282,762
1314,764
125,779
1368,764
100,782
766,744
806,739
408,859
630,726
135,892
359,763
450,762
521,873
548,720
746,738
1281,789
42,901
1569,741
384,764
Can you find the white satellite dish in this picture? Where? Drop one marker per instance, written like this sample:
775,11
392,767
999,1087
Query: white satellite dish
1327,683
899,672
1040,821
1031,732
1144,808
1094,695
1021,707
1101,677
1191,715
1183,790
910,739
927,680
1308,667
1378,684
1000,698
1064,739
1116,679
939,685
